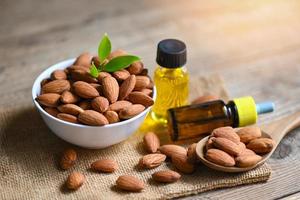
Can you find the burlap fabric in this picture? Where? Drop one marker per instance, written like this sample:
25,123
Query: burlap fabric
29,153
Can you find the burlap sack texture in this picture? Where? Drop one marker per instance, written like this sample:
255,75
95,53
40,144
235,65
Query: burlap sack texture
29,153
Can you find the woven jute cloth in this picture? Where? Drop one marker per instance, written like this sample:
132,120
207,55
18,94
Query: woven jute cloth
29,155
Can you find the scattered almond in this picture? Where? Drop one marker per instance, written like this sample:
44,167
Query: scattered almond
130,183
166,176
191,153
171,150
92,118
75,180
105,165
151,142
131,111
181,163
68,159
219,157
152,160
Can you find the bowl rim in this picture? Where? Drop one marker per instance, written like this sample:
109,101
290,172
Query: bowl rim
70,62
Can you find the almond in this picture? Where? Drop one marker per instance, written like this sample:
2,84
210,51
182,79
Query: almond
127,86
205,98
131,111
70,109
68,159
246,152
147,91
100,104
166,176
151,85
44,81
102,75
247,160
82,75
85,59
181,163
75,180
226,132
119,105
85,105
144,72
249,133
191,153
136,68
209,144
130,183
105,165
97,86
172,150
140,98
261,145
141,82
219,157
112,116
92,118
152,160
67,117
227,145
78,67
58,75
241,145
121,75
151,142
117,53
85,90
110,88
49,99
56,86
69,97
52,111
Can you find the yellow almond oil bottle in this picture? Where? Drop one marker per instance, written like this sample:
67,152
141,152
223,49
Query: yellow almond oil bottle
171,78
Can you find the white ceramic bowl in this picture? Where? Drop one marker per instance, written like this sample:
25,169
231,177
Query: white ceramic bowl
93,137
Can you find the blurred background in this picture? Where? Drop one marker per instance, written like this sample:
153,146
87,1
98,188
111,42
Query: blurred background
254,45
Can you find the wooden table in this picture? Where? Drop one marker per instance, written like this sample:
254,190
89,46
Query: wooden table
254,45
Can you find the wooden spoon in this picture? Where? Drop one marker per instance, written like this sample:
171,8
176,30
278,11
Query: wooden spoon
275,130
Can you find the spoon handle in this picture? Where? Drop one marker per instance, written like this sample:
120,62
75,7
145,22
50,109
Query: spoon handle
278,129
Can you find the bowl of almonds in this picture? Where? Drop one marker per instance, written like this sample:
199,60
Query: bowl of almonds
95,101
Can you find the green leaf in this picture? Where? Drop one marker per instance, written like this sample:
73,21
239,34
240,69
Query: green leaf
104,48
120,62
94,71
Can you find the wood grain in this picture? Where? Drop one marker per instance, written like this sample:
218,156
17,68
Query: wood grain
254,45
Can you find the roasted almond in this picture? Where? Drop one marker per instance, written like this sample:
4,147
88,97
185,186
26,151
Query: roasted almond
136,68
127,86
181,163
131,111
69,97
105,165
247,160
121,75
75,180
141,98
172,150
68,159
151,142
56,86
249,133
52,111
141,82
130,183
261,145
110,88
100,104
219,157
226,132
92,118
48,99
58,75
82,75
71,109
191,153
67,117
227,145
85,59
119,105
152,160
117,53
205,98
112,116
166,176
85,90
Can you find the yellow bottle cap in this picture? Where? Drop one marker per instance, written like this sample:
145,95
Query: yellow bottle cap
246,109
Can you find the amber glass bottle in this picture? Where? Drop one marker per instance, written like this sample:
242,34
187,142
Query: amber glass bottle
171,78
195,120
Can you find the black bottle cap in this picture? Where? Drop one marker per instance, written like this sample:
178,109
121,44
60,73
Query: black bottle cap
171,53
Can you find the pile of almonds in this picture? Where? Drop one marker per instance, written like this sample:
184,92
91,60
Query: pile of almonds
75,96
242,148
183,160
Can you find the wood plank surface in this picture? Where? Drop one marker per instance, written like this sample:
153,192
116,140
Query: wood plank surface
254,45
